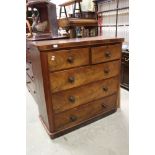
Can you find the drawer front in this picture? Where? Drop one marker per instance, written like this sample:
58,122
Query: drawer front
106,53
77,115
75,77
74,97
64,59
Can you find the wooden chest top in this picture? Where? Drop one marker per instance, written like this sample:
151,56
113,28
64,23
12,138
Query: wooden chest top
76,42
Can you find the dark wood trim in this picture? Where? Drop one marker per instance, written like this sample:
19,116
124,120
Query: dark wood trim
46,81
38,82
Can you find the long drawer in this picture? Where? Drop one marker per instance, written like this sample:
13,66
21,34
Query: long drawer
106,53
64,59
76,77
77,96
79,114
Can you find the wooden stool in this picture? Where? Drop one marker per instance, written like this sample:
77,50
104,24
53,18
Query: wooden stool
70,3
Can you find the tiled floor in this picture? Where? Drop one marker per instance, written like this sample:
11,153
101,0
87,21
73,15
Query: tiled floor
108,136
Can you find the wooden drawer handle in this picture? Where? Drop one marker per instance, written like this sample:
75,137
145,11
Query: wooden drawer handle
73,118
104,106
107,54
32,77
30,62
71,99
105,88
70,59
106,70
71,79
28,82
27,69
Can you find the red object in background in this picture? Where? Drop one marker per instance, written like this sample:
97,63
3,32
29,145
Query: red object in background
100,22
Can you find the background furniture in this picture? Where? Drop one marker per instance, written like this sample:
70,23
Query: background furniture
113,19
76,81
46,12
79,24
125,70
72,2
71,25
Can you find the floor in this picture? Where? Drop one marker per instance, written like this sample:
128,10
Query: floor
108,136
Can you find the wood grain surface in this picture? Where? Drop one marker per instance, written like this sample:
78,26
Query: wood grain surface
64,59
106,53
83,75
79,114
77,96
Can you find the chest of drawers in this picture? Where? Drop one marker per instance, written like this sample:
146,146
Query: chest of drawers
76,81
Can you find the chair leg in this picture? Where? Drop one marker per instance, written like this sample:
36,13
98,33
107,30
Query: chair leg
60,12
74,9
65,11
80,9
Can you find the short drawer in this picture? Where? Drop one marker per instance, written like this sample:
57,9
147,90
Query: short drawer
64,59
71,78
106,53
71,98
80,114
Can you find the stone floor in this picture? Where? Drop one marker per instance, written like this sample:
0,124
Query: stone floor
108,136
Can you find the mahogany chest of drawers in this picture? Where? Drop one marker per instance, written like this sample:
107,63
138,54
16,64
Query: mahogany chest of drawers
74,81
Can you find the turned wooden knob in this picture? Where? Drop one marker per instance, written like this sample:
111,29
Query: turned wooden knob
70,59
71,99
108,54
71,79
105,88
106,70
104,106
73,118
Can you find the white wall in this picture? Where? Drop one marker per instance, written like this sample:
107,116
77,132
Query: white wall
109,18
86,4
